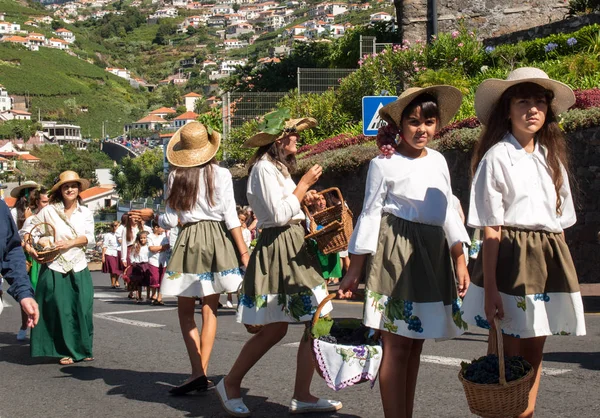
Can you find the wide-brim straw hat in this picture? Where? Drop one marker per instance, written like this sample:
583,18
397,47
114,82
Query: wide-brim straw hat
489,92
70,177
24,186
448,100
193,145
291,125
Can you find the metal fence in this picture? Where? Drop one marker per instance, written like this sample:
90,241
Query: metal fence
369,45
319,80
240,107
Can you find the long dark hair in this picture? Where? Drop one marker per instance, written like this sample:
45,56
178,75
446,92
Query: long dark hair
35,196
56,197
21,206
275,152
184,190
550,135
129,227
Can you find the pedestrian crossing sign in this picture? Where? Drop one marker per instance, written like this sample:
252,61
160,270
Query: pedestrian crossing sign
370,113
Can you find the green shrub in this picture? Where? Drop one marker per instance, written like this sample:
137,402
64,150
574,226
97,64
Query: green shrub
232,148
341,160
580,119
460,139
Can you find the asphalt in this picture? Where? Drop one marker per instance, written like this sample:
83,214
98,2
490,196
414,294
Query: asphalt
140,355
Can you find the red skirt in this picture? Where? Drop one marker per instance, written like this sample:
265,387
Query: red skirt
156,276
111,265
140,274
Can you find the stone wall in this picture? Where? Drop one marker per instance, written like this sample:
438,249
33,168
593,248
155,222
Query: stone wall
490,18
582,237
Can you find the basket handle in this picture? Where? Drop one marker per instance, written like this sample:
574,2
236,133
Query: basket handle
499,345
30,238
320,308
313,226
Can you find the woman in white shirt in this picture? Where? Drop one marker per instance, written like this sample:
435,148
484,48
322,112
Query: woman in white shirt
409,234
64,292
110,260
520,197
281,284
209,250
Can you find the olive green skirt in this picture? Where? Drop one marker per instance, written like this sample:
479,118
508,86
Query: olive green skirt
283,282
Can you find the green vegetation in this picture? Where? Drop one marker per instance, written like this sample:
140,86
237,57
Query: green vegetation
140,177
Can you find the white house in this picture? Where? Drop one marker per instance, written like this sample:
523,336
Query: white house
163,112
97,197
194,21
380,17
57,43
6,101
190,100
36,39
65,34
119,72
222,9
164,13
336,31
184,119
234,44
150,122
275,22
7,28
229,66
180,3
63,133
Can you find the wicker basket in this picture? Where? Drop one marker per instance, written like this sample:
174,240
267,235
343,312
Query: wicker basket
343,365
506,399
43,229
337,225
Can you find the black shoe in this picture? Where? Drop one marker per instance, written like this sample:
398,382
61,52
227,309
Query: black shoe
200,384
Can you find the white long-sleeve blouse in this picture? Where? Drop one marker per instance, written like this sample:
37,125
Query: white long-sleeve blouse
82,223
222,210
126,243
271,195
111,244
514,188
414,189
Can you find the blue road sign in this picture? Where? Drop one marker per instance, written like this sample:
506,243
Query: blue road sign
370,113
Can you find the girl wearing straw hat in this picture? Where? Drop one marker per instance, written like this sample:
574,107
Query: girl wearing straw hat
281,284
520,197
209,250
408,235
64,291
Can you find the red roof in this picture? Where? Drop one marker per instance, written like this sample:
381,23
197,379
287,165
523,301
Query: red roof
192,94
163,110
187,116
169,135
151,118
20,112
93,192
10,201
28,157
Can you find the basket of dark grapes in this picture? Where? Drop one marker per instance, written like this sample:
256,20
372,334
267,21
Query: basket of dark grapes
497,386
344,350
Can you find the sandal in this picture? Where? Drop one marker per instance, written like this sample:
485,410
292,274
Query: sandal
65,361
157,302
89,359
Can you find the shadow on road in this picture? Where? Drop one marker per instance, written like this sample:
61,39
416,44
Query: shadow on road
591,304
590,361
153,387
17,352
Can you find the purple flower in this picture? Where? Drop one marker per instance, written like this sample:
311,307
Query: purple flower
571,41
550,47
360,350
489,49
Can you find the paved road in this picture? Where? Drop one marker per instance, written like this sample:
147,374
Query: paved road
140,355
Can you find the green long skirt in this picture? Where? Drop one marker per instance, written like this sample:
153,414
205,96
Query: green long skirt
34,271
66,327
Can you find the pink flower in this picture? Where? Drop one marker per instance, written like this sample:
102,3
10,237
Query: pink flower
471,33
460,45
455,59
416,69
360,63
455,34
406,42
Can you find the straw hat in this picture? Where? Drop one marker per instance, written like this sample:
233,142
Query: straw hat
24,186
193,145
489,92
448,100
291,125
69,177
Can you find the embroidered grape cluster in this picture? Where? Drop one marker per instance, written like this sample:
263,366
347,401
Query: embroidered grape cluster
486,369
360,350
307,303
482,322
542,297
408,307
414,324
455,306
246,301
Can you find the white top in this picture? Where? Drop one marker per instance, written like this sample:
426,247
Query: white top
82,223
125,243
223,209
142,257
14,213
111,244
270,194
414,189
247,236
173,234
159,258
514,188
119,232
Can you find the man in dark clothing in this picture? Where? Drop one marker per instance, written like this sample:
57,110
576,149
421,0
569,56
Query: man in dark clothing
12,266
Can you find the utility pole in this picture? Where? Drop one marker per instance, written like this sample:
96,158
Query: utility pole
432,20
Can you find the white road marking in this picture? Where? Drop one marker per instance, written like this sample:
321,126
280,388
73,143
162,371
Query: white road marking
111,317
296,344
109,295
455,362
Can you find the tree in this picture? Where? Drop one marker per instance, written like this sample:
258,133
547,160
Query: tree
235,7
56,25
141,177
164,31
191,30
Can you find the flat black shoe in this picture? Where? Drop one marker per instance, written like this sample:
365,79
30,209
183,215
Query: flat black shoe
200,384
